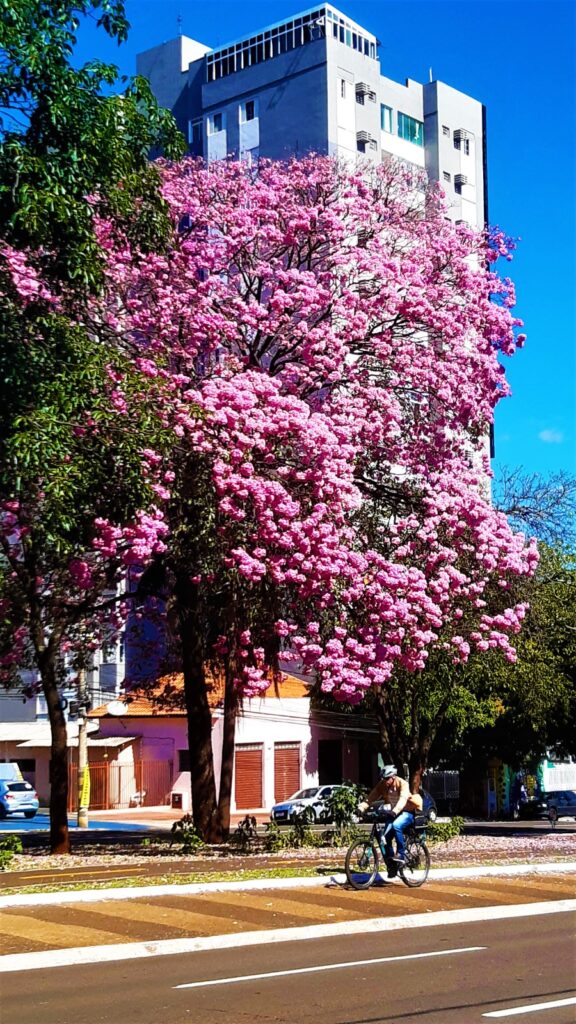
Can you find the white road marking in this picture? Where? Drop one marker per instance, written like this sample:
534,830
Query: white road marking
113,953
532,1008
329,967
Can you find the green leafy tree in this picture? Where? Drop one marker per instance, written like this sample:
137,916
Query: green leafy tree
67,149
537,695
73,154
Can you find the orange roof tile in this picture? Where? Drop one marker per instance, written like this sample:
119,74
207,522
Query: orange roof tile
166,698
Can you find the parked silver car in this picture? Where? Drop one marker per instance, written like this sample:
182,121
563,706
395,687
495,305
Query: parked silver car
18,798
313,799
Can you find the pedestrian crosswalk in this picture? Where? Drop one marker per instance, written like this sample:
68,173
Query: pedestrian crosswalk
108,922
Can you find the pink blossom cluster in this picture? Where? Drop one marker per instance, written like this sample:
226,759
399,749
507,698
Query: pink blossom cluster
337,358
136,542
25,277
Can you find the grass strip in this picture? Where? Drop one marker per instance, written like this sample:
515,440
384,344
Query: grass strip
241,875
186,878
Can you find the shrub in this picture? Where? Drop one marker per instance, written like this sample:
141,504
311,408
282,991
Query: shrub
442,831
184,831
275,839
9,845
343,804
245,834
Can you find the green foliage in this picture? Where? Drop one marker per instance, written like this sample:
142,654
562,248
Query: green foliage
9,846
276,839
67,149
442,831
184,832
245,835
343,804
535,698
301,833
343,837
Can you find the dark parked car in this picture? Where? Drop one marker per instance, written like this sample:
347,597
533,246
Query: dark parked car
559,804
17,798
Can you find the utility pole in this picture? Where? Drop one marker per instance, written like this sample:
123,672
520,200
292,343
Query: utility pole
83,770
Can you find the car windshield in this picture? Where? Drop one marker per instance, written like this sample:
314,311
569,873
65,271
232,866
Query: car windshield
305,794
19,787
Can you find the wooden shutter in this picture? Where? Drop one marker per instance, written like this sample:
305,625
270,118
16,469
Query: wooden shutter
286,770
248,776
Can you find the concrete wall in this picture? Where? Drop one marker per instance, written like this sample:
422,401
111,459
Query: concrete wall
167,69
446,108
290,91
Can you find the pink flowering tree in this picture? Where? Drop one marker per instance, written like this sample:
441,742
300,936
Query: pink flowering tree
331,345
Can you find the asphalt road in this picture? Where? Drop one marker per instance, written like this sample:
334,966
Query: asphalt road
458,974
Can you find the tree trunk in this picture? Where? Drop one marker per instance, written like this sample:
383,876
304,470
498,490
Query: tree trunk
227,766
59,835
399,747
204,804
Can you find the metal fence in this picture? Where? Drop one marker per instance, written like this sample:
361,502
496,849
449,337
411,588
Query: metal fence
112,785
442,785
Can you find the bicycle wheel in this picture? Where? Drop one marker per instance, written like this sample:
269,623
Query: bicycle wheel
415,871
362,864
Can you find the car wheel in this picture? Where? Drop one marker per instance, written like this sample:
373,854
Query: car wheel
29,814
3,812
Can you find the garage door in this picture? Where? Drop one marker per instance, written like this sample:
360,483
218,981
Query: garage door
248,776
286,770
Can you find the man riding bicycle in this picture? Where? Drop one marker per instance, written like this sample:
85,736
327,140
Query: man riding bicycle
395,792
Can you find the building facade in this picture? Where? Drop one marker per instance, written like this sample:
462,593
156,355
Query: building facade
313,83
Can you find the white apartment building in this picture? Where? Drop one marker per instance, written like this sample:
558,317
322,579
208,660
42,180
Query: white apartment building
313,83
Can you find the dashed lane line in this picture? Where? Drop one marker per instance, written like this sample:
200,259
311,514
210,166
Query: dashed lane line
329,967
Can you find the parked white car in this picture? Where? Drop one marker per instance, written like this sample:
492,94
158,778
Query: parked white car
313,797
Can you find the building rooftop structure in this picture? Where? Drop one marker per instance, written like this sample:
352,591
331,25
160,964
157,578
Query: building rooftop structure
313,83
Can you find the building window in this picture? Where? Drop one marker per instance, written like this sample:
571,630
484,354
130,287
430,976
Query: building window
271,43
447,176
343,88
195,132
463,145
385,118
445,130
247,111
215,123
183,760
410,129
458,188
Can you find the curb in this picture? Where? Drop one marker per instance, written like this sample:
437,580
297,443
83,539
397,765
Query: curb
200,888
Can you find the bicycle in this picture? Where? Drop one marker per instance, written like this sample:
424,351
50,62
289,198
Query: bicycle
365,856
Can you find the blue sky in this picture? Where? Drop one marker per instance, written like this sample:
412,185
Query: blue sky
518,58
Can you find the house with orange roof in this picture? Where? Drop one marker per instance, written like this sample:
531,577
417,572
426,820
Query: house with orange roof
283,743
